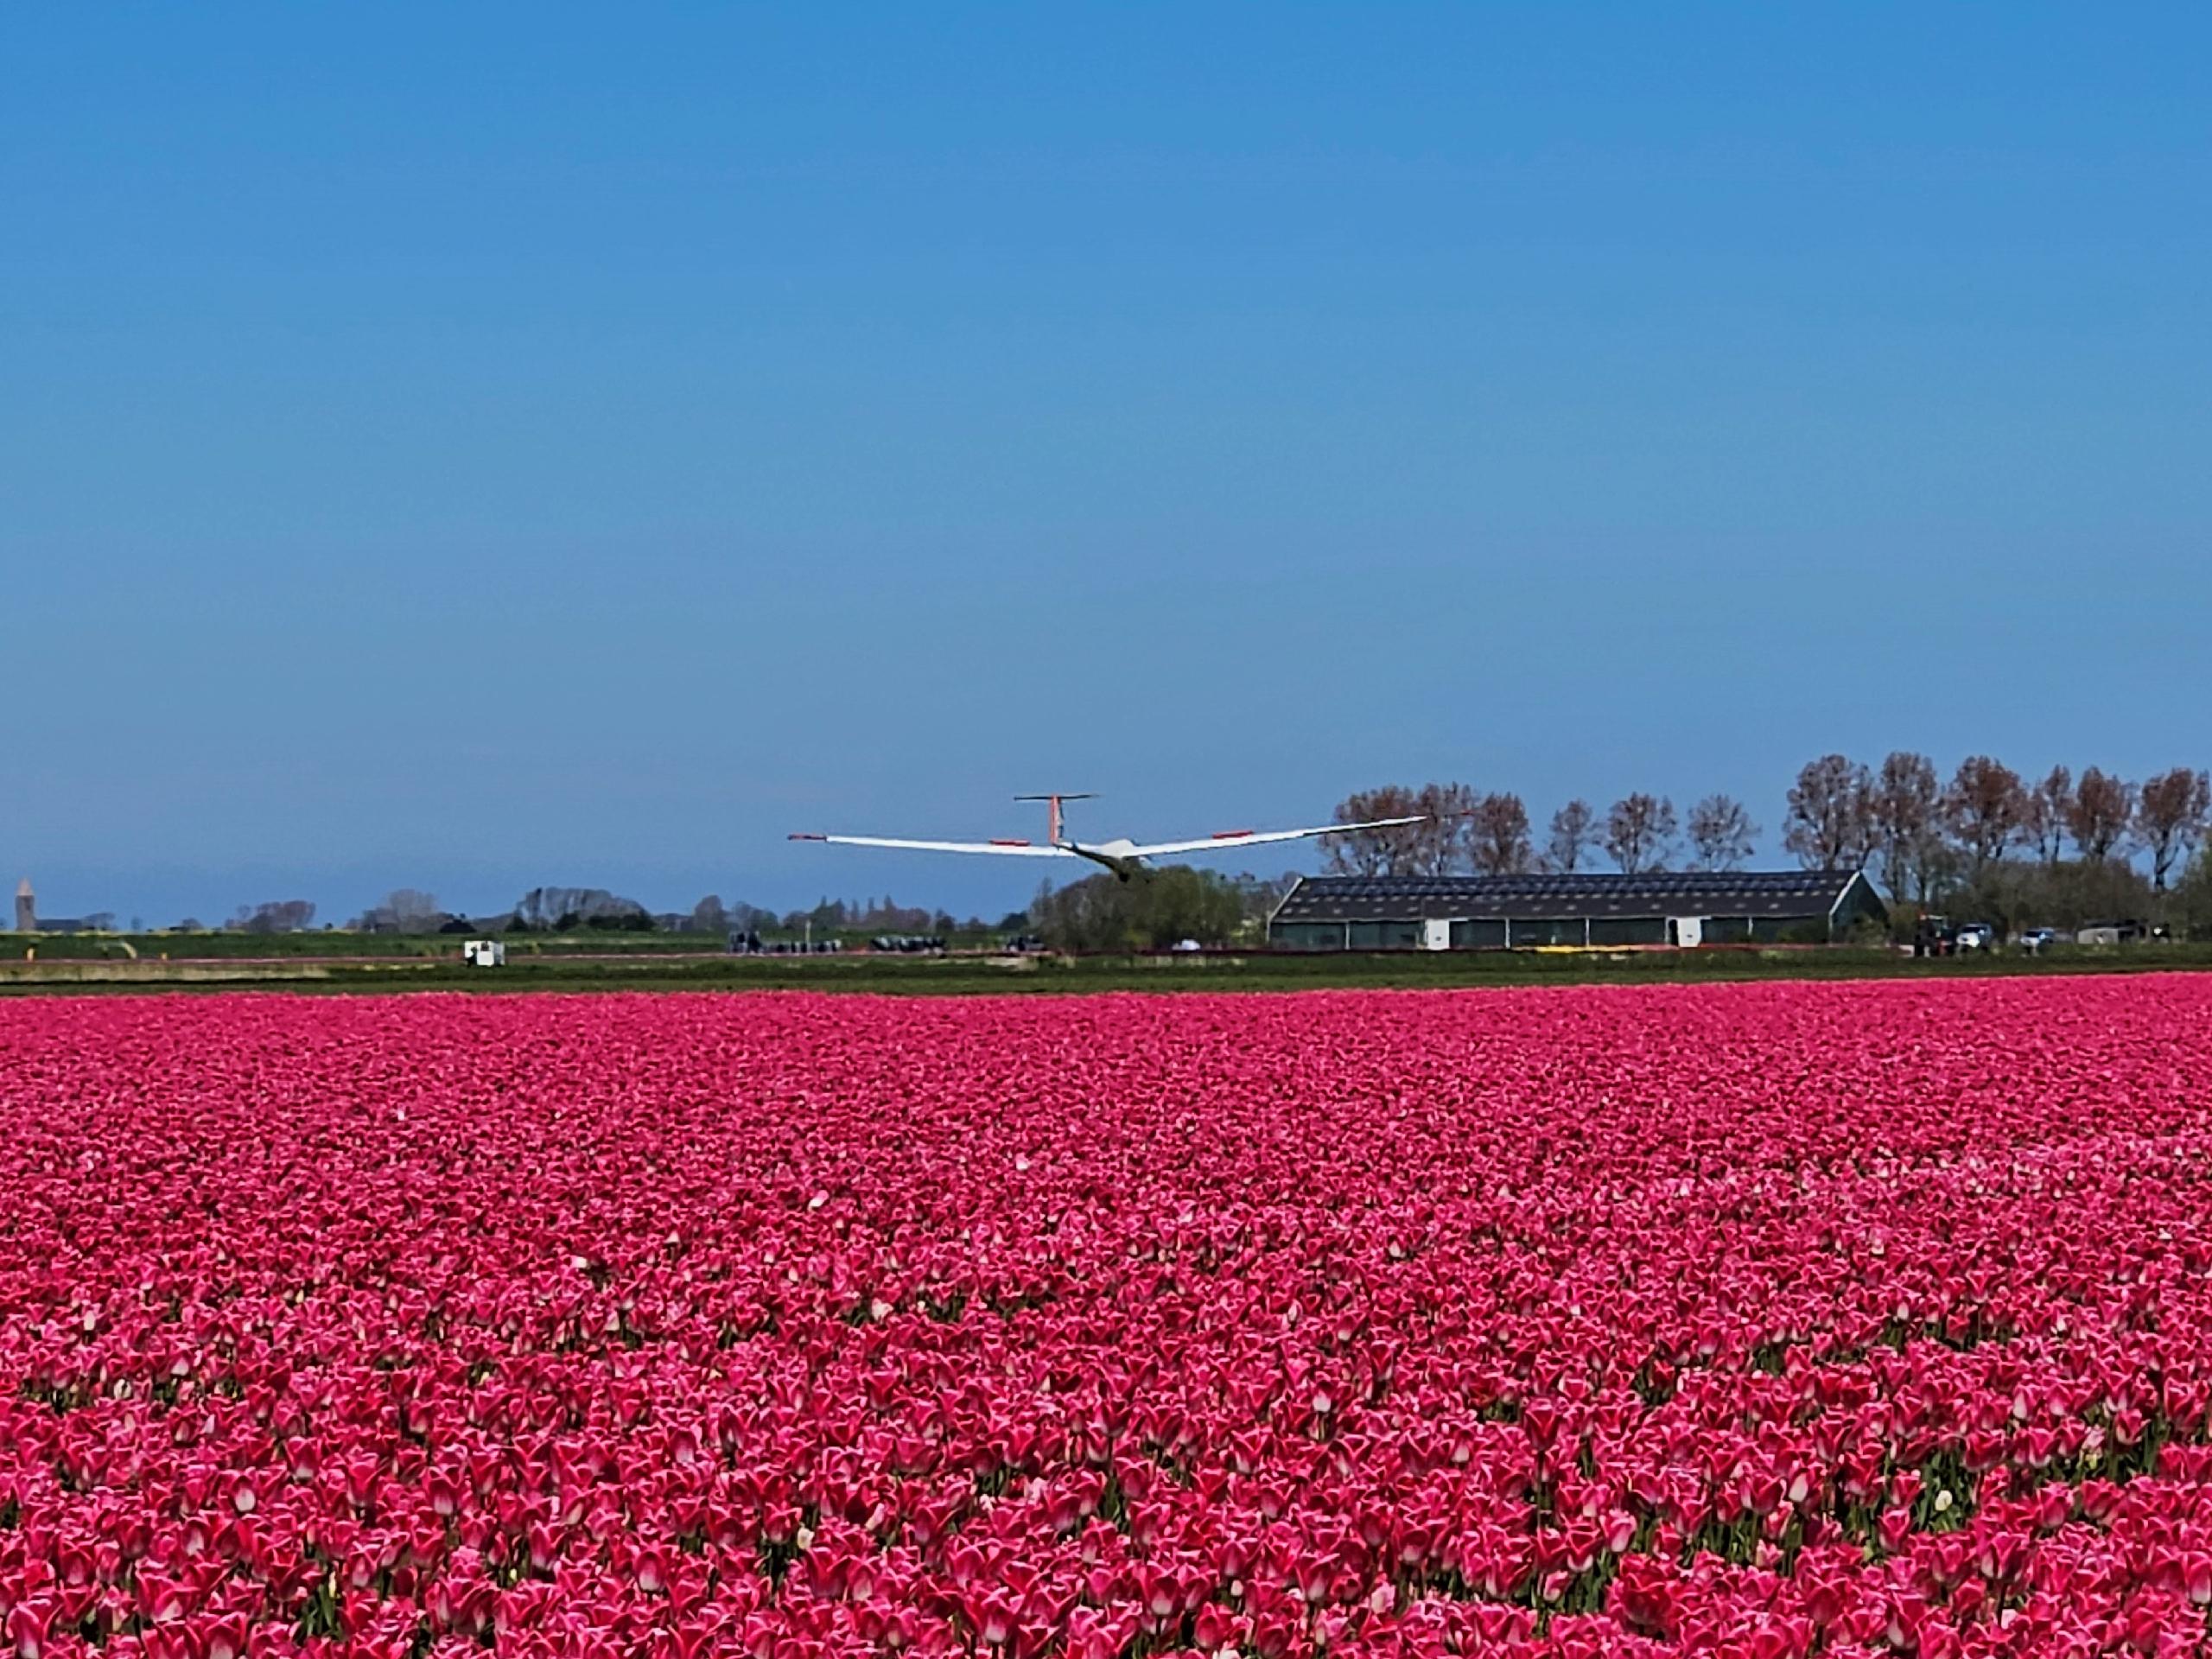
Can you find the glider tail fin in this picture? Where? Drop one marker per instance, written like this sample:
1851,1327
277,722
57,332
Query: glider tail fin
1055,813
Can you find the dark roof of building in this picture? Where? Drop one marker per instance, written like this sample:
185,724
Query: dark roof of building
1721,892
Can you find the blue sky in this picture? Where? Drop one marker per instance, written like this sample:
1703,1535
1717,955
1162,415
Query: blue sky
467,447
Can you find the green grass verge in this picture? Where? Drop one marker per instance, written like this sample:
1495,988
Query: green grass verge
221,945
969,976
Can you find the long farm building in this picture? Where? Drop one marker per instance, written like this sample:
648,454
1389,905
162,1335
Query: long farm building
1476,913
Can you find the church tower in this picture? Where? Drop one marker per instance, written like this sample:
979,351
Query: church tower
25,907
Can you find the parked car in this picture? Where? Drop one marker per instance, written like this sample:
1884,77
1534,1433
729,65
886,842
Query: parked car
1976,936
2036,940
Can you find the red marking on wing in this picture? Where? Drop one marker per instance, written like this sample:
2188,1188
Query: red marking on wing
999,842
800,835
1233,835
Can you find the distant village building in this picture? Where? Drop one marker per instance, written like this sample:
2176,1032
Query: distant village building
28,920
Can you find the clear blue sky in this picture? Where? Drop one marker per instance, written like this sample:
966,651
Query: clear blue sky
469,449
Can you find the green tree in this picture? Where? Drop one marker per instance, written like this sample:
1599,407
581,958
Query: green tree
2191,899
1158,908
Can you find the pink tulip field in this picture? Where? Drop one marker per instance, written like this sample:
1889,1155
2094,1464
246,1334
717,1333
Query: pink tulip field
1765,1320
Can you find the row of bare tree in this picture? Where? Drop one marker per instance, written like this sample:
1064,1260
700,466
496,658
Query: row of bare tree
1918,833
1921,833
1462,830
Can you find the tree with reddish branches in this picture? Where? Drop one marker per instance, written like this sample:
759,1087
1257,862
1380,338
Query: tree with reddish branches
1830,826
1906,807
2170,816
1444,841
1501,844
1721,833
1640,833
1983,809
1374,852
2044,807
2101,815
1574,833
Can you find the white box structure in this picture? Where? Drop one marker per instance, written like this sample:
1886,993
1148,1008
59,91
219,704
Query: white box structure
485,953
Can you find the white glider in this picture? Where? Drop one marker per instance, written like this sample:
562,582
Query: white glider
1124,857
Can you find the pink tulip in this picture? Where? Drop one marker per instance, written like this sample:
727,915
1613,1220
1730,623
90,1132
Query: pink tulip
1702,1321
